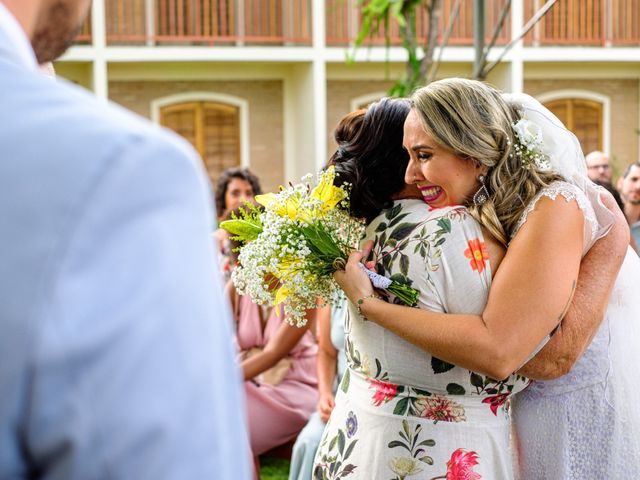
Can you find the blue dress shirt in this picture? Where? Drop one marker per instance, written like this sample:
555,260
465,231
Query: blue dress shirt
116,360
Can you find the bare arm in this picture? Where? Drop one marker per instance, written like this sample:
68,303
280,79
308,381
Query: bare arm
598,272
530,295
327,364
278,347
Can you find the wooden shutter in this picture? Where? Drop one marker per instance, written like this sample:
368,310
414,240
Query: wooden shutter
582,117
212,128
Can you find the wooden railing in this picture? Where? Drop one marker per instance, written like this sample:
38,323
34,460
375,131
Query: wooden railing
586,22
288,22
343,23
84,35
208,22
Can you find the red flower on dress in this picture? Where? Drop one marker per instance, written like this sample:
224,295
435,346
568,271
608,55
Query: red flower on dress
477,254
496,401
460,466
384,391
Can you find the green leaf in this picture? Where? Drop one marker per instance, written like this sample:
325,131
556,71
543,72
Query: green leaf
402,231
333,443
455,389
428,443
445,224
341,441
347,470
422,392
406,428
245,230
404,264
426,459
378,368
440,366
344,385
382,239
381,227
392,212
396,443
401,407
440,241
350,448
476,380
397,219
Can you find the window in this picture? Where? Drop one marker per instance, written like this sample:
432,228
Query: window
583,117
213,129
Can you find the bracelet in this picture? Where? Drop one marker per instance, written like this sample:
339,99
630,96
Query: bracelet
360,301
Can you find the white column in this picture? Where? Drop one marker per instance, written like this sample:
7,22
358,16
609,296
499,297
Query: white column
319,82
516,65
150,22
100,81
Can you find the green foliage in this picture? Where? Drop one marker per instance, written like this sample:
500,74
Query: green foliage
378,14
274,468
246,226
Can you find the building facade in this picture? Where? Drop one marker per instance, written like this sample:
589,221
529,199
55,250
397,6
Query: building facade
262,83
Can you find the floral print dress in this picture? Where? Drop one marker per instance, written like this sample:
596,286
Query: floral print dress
401,412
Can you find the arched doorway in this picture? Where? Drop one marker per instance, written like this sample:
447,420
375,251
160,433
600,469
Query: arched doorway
584,117
213,128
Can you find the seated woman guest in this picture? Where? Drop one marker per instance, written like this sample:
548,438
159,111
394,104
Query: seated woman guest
234,187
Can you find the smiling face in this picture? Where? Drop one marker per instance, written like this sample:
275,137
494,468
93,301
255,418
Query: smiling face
238,191
444,178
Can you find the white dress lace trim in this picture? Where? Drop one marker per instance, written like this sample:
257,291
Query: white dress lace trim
570,193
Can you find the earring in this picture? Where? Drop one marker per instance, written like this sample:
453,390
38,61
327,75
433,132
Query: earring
482,195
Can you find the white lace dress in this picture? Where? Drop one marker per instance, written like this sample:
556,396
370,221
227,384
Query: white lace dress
586,424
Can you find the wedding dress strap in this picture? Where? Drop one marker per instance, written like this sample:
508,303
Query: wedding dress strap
570,193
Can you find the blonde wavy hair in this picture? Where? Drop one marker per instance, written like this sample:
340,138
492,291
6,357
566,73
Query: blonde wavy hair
473,120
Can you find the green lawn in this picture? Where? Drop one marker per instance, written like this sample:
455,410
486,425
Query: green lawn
274,469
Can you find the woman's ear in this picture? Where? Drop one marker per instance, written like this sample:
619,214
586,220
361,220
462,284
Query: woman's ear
481,169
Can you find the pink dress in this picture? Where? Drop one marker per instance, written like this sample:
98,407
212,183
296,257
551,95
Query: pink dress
277,413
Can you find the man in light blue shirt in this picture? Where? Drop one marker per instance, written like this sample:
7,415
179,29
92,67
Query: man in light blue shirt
116,358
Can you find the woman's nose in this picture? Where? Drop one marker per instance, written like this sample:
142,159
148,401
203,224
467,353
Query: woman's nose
411,175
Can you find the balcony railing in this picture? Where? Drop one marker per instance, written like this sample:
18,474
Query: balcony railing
208,22
343,24
586,22
84,35
288,22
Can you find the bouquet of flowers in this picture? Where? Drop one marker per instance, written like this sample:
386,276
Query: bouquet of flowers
291,249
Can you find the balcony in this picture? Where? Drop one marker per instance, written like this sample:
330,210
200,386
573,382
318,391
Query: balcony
586,23
207,22
288,23
343,24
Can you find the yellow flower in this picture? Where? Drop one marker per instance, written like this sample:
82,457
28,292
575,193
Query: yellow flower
273,202
281,294
327,192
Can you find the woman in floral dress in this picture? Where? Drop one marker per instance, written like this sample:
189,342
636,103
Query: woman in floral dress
401,412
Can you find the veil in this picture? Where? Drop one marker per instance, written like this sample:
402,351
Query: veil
565,156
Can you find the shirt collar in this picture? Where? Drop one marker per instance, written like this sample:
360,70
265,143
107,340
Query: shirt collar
16,40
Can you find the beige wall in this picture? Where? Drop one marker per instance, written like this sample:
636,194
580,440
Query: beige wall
265,100
339,96
625,119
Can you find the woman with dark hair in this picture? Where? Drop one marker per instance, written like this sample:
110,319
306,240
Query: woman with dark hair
399,410
235,186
